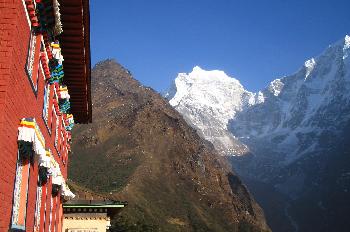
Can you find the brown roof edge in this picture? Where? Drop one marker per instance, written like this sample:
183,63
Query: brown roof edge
75,41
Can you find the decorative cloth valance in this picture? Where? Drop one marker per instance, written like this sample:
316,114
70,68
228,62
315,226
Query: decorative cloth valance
30,134
58,181
31,142
65,191
49,16
57,73
56,52
58,25
45,160
63,92
70,124
64,106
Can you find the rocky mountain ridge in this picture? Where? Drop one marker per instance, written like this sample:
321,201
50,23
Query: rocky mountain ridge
139,149
216,104
290,136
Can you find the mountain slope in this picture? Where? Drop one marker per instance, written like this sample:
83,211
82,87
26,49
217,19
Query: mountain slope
139,149
296,132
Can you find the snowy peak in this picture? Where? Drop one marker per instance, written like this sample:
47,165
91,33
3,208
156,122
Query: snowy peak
346,48
276,87
215,84
342,47
222,110
309,65
289,134
201,76
302,107
208,100
197,69
347,42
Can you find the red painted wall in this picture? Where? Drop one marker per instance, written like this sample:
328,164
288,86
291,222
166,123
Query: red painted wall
17,101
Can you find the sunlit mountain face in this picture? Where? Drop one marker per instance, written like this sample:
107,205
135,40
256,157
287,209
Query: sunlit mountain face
289,141
140,150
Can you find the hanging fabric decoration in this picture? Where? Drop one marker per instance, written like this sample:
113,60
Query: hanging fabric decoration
70,122
58,24
63,92
57,178
45,160
46,15
56,52
54,170
44,167
49,12
31,142
30,139
64,106
55,190
58,182
25,151
39,142
57,72
26,136
66,191
43,175
47,20
26,131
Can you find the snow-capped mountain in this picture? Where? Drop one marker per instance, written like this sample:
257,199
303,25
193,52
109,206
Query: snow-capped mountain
208,100
300,110
289,133
288,110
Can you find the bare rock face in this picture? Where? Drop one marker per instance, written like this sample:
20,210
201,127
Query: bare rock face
139,149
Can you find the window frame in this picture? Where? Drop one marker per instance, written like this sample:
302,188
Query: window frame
46,107
33,60
18,194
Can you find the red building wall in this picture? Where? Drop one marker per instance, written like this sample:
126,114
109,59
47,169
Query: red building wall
17,101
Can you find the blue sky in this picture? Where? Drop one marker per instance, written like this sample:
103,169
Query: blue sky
254,41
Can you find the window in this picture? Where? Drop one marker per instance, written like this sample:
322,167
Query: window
62,143
40,210
50,220
31,142
20,195
39,194
54,122
56,118
32,64
31,54
57,134
46,106
53,214
46,199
